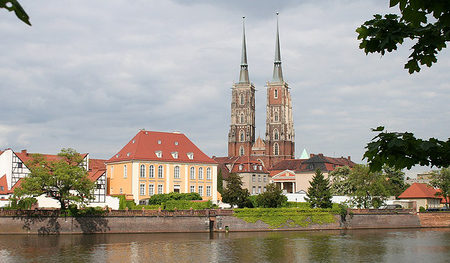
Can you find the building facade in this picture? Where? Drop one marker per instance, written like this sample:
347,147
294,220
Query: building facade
160,162
279,140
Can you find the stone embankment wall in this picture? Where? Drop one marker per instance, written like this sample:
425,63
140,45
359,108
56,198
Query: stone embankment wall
201,223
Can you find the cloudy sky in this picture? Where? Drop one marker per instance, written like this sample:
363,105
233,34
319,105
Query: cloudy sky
89,74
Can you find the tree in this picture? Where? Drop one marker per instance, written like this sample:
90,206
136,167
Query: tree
64,179
403,150
220,181
13,5
425,21
319,193
340,185
233,193
273,197
395,180
441,179
370,187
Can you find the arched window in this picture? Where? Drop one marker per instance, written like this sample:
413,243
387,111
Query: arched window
200,173
192,173
176,172
276,149
151,171
276,135
142,171
241,136
276,116
275,93
125,171
160,172
208,173
241,151
241,118
241,98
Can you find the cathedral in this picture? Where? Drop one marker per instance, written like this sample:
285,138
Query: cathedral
279,140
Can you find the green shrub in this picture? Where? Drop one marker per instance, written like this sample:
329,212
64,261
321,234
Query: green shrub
148,207
422,209
163,198
186,205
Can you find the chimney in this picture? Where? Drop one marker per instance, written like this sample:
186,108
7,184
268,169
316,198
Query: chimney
321,154
349,158
311,155
24,152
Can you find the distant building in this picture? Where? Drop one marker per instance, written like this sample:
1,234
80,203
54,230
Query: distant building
424,195
423,178
294,175
13,168
161,162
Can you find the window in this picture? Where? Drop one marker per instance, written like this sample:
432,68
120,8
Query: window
241,118
151,189
276,149
253,190
241,97
121,190
276,135
112,172
142,171
200,190
259,178
208,173
259,189
176,172
275,93
112,190
264,188
160,188
276,116
125,171
176,188
158,154
253,178
160,172
142,189
190,155
241,136
200,173
241,151
208,190
151,171
192,173
265,178
175,155
192,189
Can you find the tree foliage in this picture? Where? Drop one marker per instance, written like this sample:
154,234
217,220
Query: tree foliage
273,197
233,192
220,181
13,5
340,185
427,22
64,179
403,150
159,199
441,179
319,193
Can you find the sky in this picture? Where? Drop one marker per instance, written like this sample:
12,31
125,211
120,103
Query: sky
89,74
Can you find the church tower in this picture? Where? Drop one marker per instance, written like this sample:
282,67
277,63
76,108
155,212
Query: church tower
242,128
280,135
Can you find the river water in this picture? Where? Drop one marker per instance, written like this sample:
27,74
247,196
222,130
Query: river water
412,245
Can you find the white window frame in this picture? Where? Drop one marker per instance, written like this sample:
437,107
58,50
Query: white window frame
192,173
151,189
200,173
200,190
160,171
142,171
208,173
176,172
141,189
151,171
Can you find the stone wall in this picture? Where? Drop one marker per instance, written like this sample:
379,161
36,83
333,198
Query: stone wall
383,221
439,219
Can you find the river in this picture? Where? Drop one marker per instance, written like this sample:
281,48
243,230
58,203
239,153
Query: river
411,245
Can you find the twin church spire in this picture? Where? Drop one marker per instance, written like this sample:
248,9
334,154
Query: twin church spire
279,136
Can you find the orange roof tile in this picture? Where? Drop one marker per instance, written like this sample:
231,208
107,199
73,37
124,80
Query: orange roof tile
419,190
3,185
146,144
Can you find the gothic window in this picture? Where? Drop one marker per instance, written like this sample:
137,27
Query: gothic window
276,149
241,118
208,173
241,136
241,98
200,173
276,135
276,117
192,173
275,93
241,151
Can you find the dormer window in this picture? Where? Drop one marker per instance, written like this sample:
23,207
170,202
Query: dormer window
128,154
159,142
158,154
255,167
117,156
175,155
176,143
190,155
241,167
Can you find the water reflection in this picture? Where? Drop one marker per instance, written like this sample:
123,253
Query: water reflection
430,245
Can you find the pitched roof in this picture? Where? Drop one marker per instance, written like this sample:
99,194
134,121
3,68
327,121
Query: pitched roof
26,156
161,146
419,191
325,163
3,185
97,168
239,164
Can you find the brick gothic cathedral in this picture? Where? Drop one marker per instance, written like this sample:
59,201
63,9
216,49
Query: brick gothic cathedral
279,141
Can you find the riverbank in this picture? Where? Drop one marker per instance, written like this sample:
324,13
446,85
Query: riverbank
189,221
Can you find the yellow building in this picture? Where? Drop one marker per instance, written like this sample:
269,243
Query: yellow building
161,162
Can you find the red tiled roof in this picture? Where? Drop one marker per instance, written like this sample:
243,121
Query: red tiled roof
284,176
97,168
4,185
145,144
25,156
419,190
239,164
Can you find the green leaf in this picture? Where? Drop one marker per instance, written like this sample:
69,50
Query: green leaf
13,5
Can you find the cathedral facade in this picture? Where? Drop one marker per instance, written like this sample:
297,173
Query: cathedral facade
279,140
